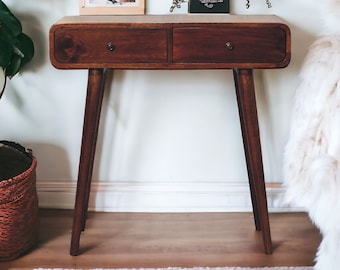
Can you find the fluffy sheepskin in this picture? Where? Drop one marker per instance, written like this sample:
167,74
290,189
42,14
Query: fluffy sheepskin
312,156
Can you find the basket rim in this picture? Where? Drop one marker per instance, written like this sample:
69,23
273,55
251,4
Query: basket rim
22,175
27,153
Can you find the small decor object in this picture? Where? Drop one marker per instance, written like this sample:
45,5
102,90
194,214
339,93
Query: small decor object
209,6
111,7
176,4
269,4
18,201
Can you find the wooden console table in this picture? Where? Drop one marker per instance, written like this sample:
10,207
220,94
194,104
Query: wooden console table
240,43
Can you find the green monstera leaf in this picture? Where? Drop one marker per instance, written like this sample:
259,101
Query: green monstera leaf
22,53
16,48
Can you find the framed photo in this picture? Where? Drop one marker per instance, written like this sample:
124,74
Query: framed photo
209,6
111,7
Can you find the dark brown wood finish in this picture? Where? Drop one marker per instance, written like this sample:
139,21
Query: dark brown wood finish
170,42
241,43
230,44
95,92
245,92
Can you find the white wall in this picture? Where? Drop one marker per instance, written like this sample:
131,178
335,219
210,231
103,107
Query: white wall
172,139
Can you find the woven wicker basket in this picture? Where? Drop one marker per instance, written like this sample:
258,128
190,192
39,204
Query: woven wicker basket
18,201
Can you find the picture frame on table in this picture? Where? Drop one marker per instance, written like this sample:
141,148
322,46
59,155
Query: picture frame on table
111,7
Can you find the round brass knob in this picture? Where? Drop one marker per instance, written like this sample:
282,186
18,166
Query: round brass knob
229,45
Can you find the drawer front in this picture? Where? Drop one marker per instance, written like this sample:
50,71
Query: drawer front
230,44
110,45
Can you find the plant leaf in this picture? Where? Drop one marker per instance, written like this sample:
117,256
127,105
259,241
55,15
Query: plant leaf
16,48
26,47
5,53
10,26
14,66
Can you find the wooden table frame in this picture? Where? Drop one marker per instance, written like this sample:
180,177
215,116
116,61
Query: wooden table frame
97,43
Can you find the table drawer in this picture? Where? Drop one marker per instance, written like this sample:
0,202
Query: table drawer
110,45
230,44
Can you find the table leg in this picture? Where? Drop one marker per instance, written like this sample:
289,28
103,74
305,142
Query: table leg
245,91
95,91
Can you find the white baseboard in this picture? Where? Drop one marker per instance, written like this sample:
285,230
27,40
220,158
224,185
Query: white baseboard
160,197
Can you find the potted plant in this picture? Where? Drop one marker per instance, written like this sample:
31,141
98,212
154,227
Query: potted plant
18,197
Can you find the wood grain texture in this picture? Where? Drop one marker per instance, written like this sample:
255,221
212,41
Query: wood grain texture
170,42
240,44
162,240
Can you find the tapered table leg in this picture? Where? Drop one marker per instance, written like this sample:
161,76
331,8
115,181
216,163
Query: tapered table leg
245,91
95,91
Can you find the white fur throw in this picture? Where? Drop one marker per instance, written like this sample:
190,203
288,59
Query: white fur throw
312,156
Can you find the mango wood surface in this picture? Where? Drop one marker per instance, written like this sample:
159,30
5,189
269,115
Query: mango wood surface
241,43
165,42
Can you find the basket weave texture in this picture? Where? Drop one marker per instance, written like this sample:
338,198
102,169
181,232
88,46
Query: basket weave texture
18,201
